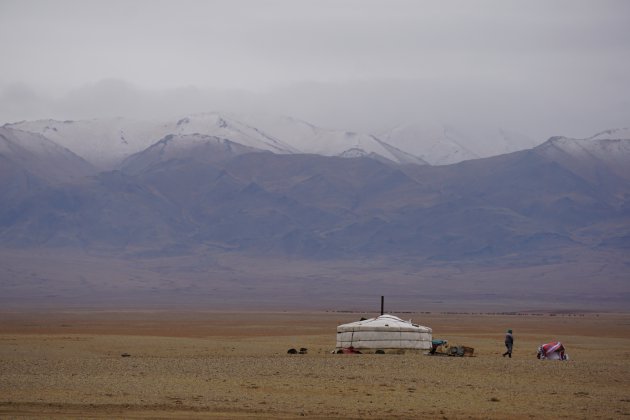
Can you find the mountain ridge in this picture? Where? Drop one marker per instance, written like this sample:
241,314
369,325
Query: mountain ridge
190,202
106,143
541,193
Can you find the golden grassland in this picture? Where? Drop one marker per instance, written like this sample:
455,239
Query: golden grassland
198,364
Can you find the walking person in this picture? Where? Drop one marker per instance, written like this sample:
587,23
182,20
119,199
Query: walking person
509,342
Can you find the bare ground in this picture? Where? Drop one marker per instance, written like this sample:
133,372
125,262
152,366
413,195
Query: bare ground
68,364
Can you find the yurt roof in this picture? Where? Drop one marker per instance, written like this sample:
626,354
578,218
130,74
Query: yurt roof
383,323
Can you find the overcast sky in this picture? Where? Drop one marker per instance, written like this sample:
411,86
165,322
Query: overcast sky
540,67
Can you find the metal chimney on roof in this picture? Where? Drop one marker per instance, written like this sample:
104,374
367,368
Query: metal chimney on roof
382,304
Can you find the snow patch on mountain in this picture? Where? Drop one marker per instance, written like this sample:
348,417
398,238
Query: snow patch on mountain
610,148
307,138
107,142
601,146
102,142
41,156
189,147
223,126
612,134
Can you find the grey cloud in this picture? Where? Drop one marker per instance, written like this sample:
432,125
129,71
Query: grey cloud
542,67
18,101
369,106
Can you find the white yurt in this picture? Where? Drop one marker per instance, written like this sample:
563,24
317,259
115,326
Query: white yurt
386,332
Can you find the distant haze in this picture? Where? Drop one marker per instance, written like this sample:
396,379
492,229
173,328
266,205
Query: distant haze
538,67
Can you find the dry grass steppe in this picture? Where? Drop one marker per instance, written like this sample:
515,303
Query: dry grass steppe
189,364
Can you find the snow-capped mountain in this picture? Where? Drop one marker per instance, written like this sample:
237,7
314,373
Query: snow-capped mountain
307,138
612,134
230,128
102,142
447,144
107,142
610,148
607,144
34,154
199,197
188,147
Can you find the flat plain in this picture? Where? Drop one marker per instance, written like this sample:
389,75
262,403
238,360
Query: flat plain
199,364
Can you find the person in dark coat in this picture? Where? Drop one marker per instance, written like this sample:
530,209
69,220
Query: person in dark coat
509,342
